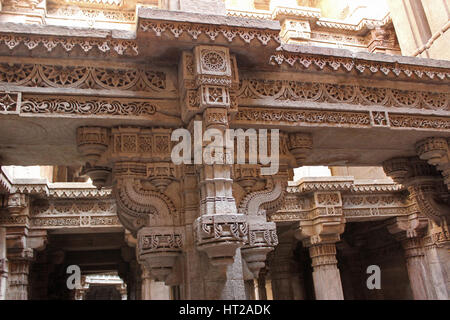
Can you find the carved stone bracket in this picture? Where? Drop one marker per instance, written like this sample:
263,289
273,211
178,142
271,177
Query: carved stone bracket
262,236
138,207
219,235
437,152
300,145
423,183
158,248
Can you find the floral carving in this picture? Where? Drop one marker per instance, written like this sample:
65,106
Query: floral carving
57,76
87,107
334,93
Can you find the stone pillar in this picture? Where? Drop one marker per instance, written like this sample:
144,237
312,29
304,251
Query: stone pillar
326,276
206,84
19,269
3,264
437,248
409,230
21,242
320,233
417,269
146,284
427,191
261,283
287,280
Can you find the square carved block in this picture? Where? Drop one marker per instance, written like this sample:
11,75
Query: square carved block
212,60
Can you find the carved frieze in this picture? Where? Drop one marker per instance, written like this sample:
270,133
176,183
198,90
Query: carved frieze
289,90
84,77
302,61
225,34
119,47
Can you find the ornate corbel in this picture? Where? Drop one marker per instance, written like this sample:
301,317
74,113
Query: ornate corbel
158,249
437,152
137,163
423,183
255,205
300,145
17,202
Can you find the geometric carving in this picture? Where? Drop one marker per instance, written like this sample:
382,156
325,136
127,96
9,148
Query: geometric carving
210,32
120,47
10,102
219,235
349,64
353,119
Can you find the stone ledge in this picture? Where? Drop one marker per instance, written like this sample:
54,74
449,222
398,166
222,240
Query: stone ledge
187,17
376,57
48,30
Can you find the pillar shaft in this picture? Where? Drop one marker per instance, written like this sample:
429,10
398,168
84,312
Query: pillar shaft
326,276
3,264
262,293
18,279
438,259
417,269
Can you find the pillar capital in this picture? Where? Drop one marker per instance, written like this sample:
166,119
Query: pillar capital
158,249
436,152
423,183
408,227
